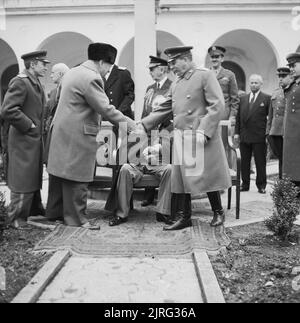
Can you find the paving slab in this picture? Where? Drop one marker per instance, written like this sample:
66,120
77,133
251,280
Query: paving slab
127,280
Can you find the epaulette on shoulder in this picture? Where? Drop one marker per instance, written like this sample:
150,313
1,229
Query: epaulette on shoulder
122,68
22,76
203,69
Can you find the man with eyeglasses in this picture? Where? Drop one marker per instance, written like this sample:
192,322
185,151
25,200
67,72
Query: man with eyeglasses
23,109
227,80
291,153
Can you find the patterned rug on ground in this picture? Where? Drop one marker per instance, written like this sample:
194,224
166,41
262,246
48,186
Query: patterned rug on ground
142,236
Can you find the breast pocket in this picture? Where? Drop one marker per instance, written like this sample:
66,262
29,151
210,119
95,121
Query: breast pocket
224,82
91,130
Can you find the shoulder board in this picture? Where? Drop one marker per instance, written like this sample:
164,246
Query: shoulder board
203,69
122,68
22,76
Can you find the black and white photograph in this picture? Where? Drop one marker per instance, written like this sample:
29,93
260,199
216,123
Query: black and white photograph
149,154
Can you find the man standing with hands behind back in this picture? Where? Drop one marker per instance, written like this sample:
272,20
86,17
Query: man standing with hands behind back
72,155
23,109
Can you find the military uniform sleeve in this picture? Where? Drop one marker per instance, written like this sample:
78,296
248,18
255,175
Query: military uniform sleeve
216,105
238,120
97,99
234,96
11,110
128,90
270,118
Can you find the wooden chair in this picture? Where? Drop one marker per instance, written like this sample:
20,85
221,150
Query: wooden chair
234,162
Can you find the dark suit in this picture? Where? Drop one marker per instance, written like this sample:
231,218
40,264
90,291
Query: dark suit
120,90
251,125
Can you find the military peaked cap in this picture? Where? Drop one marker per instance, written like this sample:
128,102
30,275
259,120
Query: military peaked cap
216,50
176,52
157,61
283,71
102,51
293,58
37,56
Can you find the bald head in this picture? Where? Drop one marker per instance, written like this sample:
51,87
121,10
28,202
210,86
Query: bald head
256,83
58,71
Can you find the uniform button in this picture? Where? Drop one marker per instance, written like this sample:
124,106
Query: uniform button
188,96
190,112
175,115
293,110
111,93
191,127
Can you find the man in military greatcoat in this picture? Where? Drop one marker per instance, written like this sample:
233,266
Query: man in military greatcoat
276,115
291,153
23,109
197,104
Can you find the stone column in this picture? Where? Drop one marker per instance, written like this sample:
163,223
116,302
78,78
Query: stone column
145,45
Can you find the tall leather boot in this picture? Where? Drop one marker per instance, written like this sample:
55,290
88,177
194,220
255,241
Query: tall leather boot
216,205
218,219
184,221
183,212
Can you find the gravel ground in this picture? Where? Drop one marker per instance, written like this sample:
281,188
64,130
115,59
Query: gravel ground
19,262
259,268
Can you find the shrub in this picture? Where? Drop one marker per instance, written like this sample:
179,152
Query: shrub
286,208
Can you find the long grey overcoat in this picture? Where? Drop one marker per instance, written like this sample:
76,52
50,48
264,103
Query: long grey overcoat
82,104
197,103
291,152
24,104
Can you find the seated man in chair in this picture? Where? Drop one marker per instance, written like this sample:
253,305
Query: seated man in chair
152,163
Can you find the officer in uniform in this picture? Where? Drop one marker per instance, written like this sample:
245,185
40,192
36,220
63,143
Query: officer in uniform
276,115
291,153
119,88
155,94
23,109
227,81
197,104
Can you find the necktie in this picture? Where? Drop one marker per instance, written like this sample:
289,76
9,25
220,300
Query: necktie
157,86
252,101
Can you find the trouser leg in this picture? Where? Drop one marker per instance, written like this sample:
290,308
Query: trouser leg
215,201
20,205
260,155
55,209
276,144
164,193
129,175
182,203
37,207
75,203
246,153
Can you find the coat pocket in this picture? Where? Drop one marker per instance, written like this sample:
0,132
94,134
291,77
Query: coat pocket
90,130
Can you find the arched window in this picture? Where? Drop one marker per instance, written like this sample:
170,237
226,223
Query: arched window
6,77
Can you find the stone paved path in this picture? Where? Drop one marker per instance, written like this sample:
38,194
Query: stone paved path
129,280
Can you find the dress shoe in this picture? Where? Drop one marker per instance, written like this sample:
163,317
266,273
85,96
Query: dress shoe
262,191
245,189
184,221
163,218
117,221
218,219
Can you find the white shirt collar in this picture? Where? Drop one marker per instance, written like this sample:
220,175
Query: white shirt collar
255,97
108,74
162,82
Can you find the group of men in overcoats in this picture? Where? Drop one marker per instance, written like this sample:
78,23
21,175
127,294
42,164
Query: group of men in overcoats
195,102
